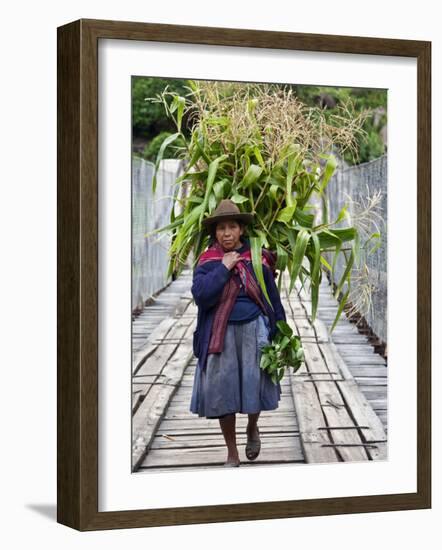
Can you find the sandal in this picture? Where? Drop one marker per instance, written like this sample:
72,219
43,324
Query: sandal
253,447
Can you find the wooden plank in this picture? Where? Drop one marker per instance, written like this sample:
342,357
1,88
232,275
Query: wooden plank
149,413
288,421
334,360
183,413
271,444
364,415
148,348
155,363
356,401
372,371
216,456
214,429
310,417
209,440
337,414
364,361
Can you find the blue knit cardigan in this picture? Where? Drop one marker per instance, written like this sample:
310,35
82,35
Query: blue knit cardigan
207,286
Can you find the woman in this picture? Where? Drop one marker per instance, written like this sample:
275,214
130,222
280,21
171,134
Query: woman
234,322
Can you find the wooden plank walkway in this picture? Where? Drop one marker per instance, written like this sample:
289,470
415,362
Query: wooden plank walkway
334,409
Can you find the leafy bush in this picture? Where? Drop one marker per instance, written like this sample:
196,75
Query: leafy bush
148,120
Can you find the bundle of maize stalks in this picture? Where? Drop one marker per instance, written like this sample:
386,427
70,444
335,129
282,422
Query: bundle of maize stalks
261,147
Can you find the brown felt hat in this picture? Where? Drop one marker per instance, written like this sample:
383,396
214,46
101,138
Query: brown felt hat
227,210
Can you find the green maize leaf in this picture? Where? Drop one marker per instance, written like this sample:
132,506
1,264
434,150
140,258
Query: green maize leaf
324,262
193,216
315,274
329,170
218,121
273,191
345,275
306,220
176,223
342,214
212,202
181,178
194,198
256,249
291,237
244,159
292,164
344,234
199,144
324,201
298,255
356,246
175,200
335,257
196,155
178,104
166,142
300,354
281,374
340,308
262,236
218,189
314,292
280,282
258,157
327,239
316,257
213,168
252,174
199,248
277,181
286,214
281,258
239,199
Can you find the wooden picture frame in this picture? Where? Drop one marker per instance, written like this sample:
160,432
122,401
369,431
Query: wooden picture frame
77,278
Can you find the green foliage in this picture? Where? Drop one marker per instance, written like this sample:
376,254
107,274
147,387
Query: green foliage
153,147
370,145
285,351
261,146
148,120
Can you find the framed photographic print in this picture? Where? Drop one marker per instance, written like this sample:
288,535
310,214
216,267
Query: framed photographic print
244,274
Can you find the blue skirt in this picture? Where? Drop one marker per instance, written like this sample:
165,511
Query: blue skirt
232,381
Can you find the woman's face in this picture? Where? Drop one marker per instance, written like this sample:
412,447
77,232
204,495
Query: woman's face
228,234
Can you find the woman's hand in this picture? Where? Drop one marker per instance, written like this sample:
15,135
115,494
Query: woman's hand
230,259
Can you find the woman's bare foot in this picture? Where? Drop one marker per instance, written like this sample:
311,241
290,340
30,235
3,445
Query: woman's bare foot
227,424
232,459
